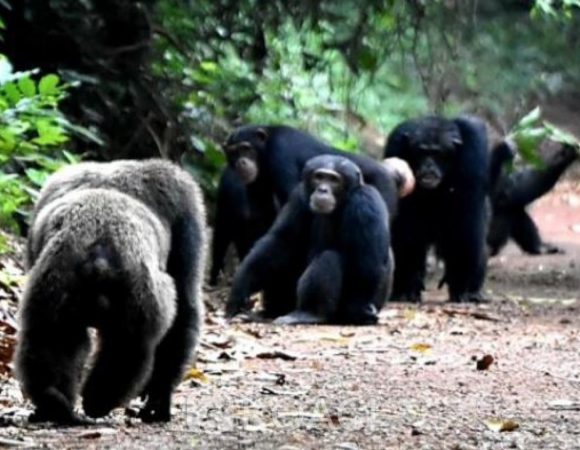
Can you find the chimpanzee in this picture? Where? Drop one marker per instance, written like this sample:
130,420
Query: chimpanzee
273,157
447,208
240,219
327,257
512,192
119,247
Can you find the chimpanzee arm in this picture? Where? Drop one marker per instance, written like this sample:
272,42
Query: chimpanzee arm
463,245
501,154
530,184
230,204
365,252
273,253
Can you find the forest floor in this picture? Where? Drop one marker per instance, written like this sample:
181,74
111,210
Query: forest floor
500,375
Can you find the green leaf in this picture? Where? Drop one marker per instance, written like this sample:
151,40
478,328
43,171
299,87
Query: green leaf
49,134
209,66
37,177
81,131
528,141
27,87
70,158
529,120
558,135
49,85
12,93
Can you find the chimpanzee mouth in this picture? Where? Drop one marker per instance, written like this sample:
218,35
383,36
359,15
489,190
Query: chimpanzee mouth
429,181
247,175
322,206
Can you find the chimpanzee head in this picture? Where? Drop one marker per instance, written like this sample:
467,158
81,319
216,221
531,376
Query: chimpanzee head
242,150
328,180
432,148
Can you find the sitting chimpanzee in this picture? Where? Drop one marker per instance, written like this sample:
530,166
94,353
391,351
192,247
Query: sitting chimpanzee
272,158
240,219
447,208
327,257
512,192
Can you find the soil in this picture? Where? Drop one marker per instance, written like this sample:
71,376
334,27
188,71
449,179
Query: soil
429,376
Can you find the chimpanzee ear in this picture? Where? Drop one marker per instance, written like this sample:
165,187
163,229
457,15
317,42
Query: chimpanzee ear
262,134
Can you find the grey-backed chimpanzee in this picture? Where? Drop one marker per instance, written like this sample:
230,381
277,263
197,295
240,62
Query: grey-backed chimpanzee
272,159
449,158
240,219
119,247
512,192
327,257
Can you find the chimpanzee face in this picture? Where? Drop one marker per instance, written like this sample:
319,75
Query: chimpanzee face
244,159
432,151
328,180
242,150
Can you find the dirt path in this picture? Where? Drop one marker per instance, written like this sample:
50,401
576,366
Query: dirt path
411,382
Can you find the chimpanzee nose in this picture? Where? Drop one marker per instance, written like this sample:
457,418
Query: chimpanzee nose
323,189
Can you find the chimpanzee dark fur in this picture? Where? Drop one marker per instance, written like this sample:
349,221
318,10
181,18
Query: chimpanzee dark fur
322,262
240,219
512,192
279,154
447,209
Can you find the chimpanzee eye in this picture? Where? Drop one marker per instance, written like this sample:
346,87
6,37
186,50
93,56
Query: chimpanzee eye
318,177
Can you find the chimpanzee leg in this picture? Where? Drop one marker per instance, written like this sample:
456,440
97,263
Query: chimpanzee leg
526,234
319,290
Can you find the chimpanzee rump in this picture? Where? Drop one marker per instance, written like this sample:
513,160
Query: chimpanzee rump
120,247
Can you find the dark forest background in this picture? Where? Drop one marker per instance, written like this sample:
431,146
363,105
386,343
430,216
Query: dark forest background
108,79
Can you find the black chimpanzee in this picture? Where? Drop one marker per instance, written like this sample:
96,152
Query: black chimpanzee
240,219
449,158
512,192
327,257
273,158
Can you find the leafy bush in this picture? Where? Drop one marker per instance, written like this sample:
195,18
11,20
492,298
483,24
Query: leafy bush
32,135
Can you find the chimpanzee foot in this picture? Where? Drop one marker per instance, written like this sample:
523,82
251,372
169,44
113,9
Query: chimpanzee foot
299,317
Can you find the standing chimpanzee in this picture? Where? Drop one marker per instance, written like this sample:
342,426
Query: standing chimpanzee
272,158
327,257
512,192
240,219
447,208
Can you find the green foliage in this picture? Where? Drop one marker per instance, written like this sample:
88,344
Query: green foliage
532,130
32,134
166,76
555,9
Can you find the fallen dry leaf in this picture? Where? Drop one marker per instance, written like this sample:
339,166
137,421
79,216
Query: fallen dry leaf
274,354
409,314
501,425
421,347
475,314
347,333
196,375
484,362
